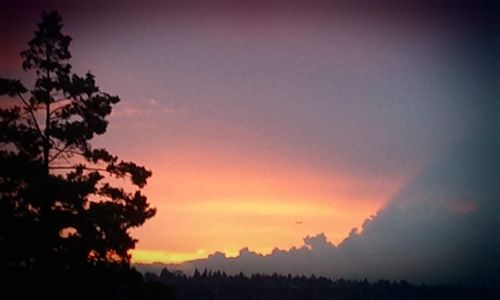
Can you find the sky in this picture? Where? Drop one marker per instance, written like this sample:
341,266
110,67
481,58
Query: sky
441,228
268,121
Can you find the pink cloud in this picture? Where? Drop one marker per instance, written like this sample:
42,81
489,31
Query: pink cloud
139,109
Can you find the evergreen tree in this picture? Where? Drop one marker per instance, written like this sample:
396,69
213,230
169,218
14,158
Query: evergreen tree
58,207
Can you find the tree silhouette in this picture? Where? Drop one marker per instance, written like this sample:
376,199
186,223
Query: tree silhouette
287,287
58,207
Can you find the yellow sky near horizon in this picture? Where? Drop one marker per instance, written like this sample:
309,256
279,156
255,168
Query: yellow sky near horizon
206,208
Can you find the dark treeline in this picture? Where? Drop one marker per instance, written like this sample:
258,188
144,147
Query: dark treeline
217,285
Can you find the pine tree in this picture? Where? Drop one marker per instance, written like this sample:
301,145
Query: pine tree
58,208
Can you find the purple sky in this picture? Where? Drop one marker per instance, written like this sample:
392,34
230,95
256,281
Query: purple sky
243,101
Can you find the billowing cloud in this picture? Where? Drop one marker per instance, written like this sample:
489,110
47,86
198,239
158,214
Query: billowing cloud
441,228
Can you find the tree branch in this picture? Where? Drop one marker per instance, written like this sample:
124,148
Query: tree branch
59,151
30,110
74,167
64,149
85,168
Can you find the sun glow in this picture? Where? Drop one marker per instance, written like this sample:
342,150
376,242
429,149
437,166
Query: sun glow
148,256
208,207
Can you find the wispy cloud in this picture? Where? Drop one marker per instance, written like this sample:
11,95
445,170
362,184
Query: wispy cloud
140,109
139,113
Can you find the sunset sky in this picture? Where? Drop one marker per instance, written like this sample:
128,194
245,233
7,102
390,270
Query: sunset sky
264,123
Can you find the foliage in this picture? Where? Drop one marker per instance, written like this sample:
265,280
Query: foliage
58,207
219,285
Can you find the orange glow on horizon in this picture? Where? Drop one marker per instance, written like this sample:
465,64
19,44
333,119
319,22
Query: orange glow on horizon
145,256
207,208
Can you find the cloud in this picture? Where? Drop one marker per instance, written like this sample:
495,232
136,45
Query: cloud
139,109
139,113
441,228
